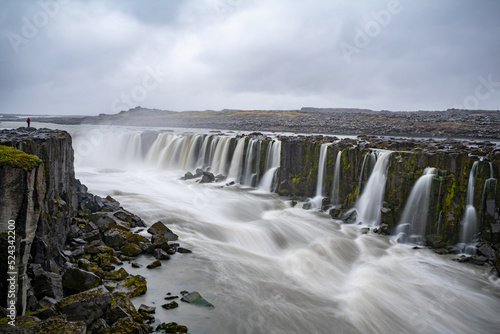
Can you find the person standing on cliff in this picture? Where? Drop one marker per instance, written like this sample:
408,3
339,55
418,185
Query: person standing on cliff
28,121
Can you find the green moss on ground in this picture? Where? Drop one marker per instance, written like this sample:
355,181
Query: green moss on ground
18,159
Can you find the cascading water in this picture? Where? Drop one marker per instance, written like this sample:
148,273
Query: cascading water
336,181
318,199
236,163
411,227
370,158
249,176
268,182
469,221
368,206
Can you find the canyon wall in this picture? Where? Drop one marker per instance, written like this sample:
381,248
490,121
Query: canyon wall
41,199
453,160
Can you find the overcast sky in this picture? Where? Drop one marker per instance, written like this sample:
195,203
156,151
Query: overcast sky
90,57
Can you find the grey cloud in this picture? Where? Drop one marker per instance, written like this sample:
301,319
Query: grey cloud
249,54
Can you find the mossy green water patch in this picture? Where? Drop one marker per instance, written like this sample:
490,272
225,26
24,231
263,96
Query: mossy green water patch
18,159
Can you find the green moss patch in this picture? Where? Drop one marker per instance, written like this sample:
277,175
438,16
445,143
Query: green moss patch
18,159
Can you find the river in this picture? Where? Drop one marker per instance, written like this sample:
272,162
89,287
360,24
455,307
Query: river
268,267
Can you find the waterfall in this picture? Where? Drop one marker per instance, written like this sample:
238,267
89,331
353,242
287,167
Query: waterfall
369,204
273,156
236,163
336,181
373,159
469,221
321,169
219,165
411,227
249,176
202,160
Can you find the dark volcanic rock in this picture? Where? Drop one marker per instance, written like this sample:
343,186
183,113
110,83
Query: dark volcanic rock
86,306
159,228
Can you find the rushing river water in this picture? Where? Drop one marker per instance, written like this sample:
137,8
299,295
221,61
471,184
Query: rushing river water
269,267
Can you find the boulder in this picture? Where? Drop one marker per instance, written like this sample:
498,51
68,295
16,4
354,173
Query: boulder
160,254
207,177
123,301
47,284
100,326
115,238
127,326
86,306
130,249
103,221
59,325
184,250
116,313
136,239
196,299
154,264
146,309
159,228
133,286
117,275
170,306
171,327
77,279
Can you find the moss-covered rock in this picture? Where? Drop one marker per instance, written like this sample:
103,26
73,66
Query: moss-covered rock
133,286
130,249
18,159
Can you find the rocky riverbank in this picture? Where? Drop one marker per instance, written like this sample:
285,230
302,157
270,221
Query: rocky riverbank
71,245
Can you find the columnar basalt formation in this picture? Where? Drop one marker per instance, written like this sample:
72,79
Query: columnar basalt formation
453,160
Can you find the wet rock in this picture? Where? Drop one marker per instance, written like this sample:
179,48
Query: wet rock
170,306
146,309
183,250
154,264
132,286
485,249
435,241
130,249
46,284
136,239
478,260
159,228
100,326
114,314
45,312
127,326
171,297
196,299
171,327
62,326
207,177
103,221
77,279
160,254
189,176
86,306
117,275
123,301
91,236
115,238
